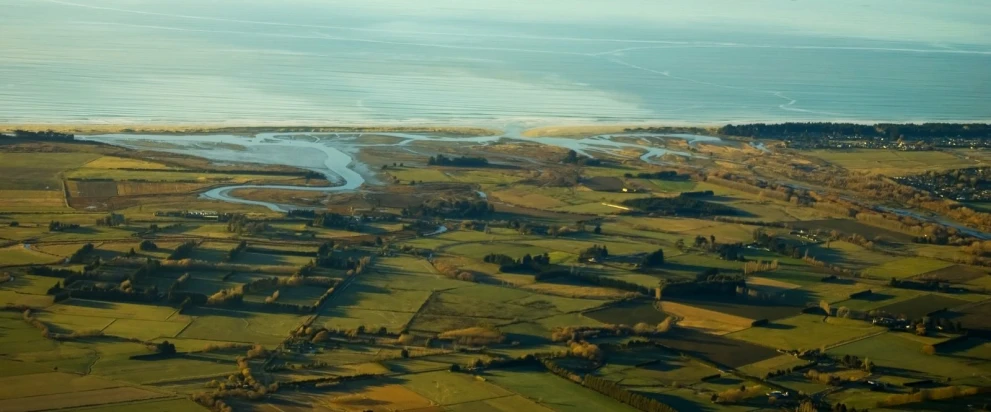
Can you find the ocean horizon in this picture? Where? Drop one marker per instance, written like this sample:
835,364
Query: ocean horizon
321,63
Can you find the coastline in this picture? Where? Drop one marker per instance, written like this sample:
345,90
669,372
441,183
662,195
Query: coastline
519,129
198,129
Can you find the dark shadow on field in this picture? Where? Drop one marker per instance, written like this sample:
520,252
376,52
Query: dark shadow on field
717,349
749,308
724,380
962,346
628,313
776,326
842,281
96,304
674,266
526,339
352,296
950,405
679,403
828,255
720,198
902,372
923,305
874,297
229,312
793,378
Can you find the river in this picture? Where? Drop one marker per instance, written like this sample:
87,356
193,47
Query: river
334,154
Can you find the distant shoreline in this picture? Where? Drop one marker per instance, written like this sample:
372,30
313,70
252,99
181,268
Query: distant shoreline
196,129
576,130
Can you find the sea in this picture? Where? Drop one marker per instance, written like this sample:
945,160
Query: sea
492,63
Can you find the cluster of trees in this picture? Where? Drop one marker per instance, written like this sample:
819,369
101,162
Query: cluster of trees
679,206
48,135
665,175
182,251
737,395
56,226
165,348
596,252
709,282
81,253
452,271
574,159
526,264
934,394
777,245
326,219
111,220
585,350
177,284
241,385
463,161
452,209
226,297
147,245
240,224
236,250
653,259
619,393
920,284
334,261
581,333
798,131
757,266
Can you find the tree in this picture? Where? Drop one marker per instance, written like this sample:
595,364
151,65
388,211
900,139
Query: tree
680,244
597,230
165,348
868,366
700,241
655,258
825,307
404,353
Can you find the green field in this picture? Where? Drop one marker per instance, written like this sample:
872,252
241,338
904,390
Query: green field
806,332
906,268
389,319
235,326
445,388
553,392
905,356
19,255
38,171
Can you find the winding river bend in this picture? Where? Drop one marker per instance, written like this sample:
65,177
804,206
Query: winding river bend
333,154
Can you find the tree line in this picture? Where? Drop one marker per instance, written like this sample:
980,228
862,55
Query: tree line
47,135
811,130
663,175
463,161
451,209
679,206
